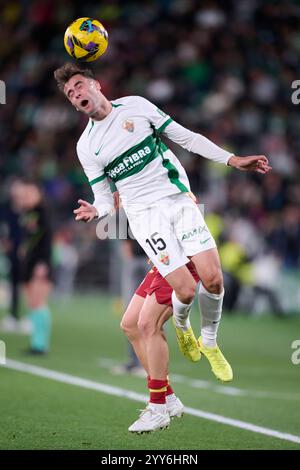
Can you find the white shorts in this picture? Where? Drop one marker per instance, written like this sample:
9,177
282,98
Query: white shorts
170,230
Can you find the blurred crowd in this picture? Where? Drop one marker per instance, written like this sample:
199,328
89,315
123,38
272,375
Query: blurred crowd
223,69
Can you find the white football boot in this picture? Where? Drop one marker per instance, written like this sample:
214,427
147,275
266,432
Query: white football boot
150,420
175,407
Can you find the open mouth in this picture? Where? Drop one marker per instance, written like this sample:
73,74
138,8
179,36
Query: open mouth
84,103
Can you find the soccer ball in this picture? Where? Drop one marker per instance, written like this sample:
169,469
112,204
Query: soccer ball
86,39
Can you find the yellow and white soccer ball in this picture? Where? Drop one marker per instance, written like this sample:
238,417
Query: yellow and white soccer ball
86,39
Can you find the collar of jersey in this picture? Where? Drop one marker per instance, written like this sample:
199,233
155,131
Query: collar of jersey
93,121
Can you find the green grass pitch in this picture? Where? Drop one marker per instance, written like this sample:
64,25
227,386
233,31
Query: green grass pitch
41,413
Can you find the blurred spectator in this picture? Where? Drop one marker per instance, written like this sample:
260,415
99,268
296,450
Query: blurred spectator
35,263
65,258
222,68
10,214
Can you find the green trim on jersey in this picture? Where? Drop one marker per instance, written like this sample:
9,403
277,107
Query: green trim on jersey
133,160
91,127
173,173
136,158
165,124
97,180
113,187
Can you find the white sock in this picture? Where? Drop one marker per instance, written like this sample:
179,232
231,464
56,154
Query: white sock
181,313
170,398
158,407
211,311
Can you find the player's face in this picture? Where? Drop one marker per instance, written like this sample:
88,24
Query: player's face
84,94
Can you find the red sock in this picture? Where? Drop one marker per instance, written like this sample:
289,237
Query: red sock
157,390
170,390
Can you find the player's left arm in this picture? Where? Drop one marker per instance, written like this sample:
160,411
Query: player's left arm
199,144
257,163
88,212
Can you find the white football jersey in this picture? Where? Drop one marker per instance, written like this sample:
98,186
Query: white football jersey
126,147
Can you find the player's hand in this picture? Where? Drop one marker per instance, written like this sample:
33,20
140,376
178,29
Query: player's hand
85,211
256,163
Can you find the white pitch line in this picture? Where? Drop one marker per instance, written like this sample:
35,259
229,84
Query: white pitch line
109,364
120,392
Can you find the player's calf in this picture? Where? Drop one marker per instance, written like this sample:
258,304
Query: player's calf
181,312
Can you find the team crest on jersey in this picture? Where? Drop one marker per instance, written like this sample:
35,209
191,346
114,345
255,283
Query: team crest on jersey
164,258
128,125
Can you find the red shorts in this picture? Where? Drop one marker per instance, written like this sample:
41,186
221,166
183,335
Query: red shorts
154,282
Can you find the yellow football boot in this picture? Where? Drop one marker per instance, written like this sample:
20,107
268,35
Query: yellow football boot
187,343
219,366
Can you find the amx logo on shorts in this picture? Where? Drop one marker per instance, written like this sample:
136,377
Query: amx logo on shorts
129,162
195,231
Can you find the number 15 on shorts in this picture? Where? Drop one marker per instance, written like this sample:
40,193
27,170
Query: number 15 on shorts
156,243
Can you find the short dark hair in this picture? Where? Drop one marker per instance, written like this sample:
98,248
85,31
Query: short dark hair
63,74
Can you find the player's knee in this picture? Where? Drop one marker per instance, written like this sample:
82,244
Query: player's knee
123,326
146,327
186,293
128,328
214,282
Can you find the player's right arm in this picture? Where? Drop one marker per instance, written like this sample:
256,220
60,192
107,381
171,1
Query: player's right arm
103,199
199,144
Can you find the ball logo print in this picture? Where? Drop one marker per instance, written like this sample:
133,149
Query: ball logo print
86,39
